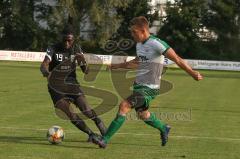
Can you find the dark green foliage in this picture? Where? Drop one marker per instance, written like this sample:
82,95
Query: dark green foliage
134,9
182,26
185,20
19,31
224,19
21,24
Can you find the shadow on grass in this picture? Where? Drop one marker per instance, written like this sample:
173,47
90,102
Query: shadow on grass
43,142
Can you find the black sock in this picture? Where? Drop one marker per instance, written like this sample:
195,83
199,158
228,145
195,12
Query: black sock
82,126
102,128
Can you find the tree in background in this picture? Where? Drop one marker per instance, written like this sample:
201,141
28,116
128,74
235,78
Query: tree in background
134,9
182,25
21,24
21,21
106,19
53,16
100,13
19,31
185,20
122,37
223,18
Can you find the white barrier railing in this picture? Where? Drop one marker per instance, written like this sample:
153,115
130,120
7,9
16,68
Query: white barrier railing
21,55
107,59
209,65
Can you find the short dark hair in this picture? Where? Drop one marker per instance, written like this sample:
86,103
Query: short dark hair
140,21
68,29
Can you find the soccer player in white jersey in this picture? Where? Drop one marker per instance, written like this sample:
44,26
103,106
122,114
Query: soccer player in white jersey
147,84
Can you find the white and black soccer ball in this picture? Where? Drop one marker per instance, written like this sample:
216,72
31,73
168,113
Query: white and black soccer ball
55,135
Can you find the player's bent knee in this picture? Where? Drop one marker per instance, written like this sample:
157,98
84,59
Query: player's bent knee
143,115
90,114
124,107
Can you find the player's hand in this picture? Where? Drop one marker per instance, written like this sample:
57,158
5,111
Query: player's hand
197,76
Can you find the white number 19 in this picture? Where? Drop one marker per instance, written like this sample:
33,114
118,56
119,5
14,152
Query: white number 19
59,57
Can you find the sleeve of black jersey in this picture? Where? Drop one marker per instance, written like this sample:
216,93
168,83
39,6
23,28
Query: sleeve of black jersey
45,64
49,53
83,64
77,49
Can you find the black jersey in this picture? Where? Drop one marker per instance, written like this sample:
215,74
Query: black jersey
58,55
63,69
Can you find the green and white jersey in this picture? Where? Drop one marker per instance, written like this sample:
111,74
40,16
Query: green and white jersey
150,54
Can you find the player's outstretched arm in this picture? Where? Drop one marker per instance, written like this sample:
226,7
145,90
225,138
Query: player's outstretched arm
183,64
44,67
82,62
132,64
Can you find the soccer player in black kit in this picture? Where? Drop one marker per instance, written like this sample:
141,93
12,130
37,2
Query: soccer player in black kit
59,67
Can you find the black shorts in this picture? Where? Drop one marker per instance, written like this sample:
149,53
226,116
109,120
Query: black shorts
137,102
56,96
141,97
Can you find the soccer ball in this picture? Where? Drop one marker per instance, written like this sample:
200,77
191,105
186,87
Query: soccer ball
55,135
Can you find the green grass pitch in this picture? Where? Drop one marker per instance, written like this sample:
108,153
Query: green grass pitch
205,119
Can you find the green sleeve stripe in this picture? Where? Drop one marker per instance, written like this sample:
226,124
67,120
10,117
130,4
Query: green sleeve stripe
165,51
162,42
166,46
